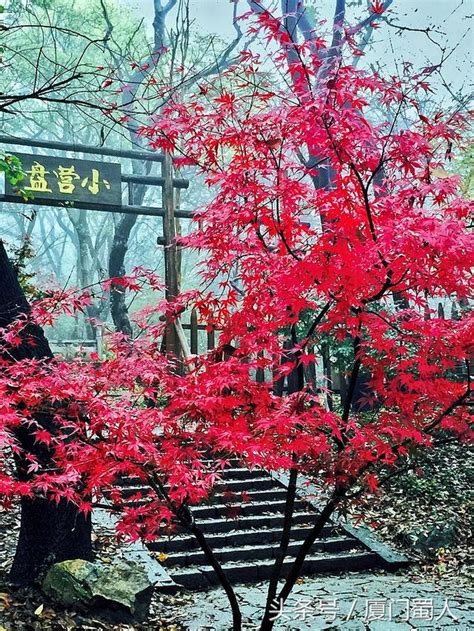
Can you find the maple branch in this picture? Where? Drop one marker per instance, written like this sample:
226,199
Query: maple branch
397,471
185,516
414,462
406,443
365,196
370,18
257,7
393,474
279,229
386,285
317,321
427,30
390,324
291,489
216,566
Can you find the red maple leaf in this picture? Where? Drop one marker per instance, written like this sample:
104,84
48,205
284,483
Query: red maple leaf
377,7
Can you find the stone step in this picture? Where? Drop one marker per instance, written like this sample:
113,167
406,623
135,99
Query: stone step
254,482
263,482
231,462
244,533
254,521
255,552
219,508
273,495
203,577
187,542
237,473
132,480
234,472
133,489
235,510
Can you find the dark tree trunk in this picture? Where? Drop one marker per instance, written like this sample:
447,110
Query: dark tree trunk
118,305
118,251
363,399
49,532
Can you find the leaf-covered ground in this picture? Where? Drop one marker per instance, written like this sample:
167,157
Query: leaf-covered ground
428,513
430,506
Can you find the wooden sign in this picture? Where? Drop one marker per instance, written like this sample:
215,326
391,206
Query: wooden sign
58,180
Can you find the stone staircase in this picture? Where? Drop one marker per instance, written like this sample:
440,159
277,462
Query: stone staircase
242,522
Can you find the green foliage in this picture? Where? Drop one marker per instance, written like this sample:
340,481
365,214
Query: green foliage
414,485
11,166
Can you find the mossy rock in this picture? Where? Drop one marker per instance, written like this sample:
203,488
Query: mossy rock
69,582
440,536
123,585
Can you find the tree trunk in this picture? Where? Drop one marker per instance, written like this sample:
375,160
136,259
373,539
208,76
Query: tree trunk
49,532
118,305
85,275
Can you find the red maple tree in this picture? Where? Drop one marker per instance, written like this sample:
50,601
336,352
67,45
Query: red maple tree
325,223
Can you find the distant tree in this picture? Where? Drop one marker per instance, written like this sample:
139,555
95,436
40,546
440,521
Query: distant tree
133,78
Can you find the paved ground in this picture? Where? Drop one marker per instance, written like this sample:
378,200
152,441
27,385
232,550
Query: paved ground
368,601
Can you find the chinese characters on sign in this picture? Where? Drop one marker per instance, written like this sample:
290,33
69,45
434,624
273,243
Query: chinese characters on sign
66,180
387,609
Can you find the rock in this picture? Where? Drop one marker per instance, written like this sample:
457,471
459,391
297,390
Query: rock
67,582
121,586
441,536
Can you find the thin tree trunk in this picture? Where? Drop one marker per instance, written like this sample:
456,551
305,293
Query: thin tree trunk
186,518
284,542
224,581
295,382
118,251
295,571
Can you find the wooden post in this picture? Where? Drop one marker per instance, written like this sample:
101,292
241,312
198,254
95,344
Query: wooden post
178,232
260,372
211,340
99,341
194,332
170,250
